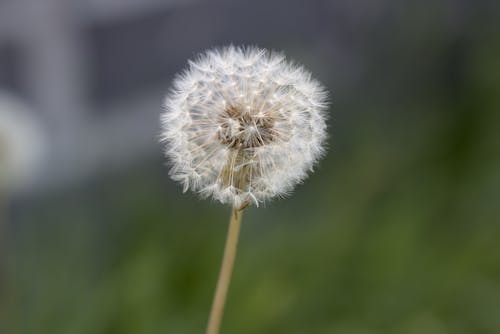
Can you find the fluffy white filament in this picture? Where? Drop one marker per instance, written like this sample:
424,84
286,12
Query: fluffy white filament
243,125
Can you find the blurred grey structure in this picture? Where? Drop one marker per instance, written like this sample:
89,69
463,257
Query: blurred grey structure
58,56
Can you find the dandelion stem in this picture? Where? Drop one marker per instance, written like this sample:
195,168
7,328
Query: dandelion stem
226,270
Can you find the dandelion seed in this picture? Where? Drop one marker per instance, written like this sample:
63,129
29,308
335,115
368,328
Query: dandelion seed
243,124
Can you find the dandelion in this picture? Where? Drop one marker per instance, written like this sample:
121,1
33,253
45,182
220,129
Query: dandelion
22,145
22,149
242,126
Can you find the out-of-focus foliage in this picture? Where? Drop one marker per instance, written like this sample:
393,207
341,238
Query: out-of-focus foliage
396,232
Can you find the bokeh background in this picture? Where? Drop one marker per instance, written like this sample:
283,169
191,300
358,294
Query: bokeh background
397,231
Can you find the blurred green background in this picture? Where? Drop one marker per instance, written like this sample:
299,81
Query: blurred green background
397,230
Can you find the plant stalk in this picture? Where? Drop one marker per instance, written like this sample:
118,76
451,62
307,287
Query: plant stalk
226,271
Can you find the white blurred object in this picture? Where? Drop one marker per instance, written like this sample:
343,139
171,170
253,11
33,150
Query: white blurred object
23,144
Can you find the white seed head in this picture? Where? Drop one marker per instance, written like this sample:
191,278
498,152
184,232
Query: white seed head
243,125
23,144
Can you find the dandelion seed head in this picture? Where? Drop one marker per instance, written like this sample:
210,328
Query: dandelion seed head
243,124
23,144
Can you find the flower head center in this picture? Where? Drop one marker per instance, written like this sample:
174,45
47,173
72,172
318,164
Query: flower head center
241,128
